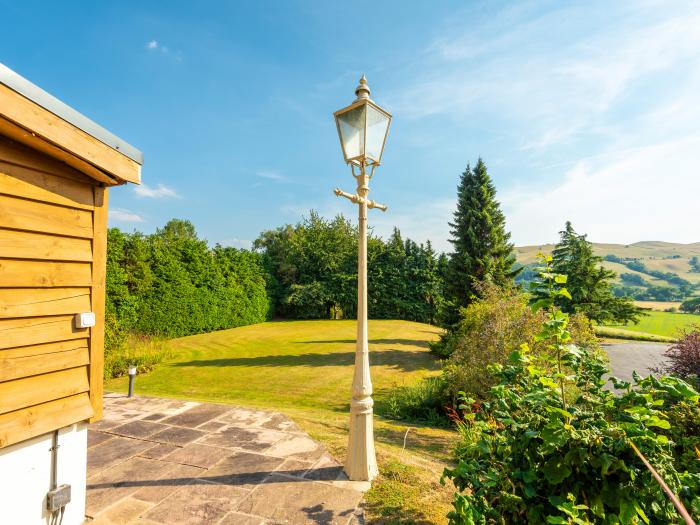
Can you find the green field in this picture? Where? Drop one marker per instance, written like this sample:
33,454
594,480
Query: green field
664,324
304,369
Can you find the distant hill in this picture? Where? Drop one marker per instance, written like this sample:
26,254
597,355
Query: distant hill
644,249
654,264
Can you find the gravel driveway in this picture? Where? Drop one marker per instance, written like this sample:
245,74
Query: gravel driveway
627,357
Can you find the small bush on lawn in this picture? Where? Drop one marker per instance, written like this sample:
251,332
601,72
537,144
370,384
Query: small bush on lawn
490,330
422,402
532,452
143,352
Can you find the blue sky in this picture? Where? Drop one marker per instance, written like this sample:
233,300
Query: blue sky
584,111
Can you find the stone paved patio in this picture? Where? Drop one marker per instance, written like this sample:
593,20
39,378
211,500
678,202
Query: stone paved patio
164,461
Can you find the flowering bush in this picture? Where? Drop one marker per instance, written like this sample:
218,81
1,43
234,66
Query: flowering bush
683,357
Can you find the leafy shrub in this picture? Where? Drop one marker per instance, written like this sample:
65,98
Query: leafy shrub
143,352
534,453
684,433
423,402
489,330
691,306
492,328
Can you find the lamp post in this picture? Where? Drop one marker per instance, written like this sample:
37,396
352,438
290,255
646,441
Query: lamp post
362,128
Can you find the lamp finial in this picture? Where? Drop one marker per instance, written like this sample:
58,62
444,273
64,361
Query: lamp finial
362,90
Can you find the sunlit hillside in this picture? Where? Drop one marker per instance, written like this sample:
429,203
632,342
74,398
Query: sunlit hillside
656,256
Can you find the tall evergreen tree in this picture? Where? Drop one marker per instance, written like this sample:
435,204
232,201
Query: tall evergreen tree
588,282
482,248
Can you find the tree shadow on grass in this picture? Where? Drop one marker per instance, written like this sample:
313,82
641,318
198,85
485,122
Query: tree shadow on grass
409,342
394,359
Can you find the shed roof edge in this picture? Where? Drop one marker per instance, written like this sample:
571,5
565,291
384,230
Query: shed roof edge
24,87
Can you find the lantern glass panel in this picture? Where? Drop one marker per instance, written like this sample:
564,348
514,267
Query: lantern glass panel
351,126
377,128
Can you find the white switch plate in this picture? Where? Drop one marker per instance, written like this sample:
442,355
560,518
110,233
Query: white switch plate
85,320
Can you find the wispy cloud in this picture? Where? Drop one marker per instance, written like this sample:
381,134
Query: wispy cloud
122,215
154,45
159,192
156,48
272,175
622,197
546,94
598,122
237,243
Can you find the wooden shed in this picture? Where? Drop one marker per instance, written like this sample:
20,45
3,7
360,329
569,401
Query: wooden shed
56,167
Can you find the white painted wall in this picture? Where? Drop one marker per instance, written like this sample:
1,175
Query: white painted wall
25,477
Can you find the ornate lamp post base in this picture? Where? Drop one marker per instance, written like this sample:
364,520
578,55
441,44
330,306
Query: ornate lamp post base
361,463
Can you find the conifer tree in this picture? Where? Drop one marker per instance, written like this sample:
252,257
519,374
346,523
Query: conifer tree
588,282
482,248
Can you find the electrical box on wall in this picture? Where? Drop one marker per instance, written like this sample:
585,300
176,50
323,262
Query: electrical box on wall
58,498
85,320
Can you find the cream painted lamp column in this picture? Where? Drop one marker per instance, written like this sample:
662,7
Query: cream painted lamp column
362,128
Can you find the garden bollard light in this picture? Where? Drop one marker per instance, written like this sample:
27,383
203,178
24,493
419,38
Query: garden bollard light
132,375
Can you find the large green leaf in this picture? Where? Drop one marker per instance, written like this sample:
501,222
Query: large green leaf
555,470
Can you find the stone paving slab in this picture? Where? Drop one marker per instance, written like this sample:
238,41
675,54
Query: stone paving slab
157,461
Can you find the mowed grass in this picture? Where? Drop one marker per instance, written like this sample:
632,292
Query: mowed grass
290,364
304,369
664,324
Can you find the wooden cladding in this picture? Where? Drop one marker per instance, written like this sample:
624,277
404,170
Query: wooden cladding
44,273
28,302
34,390
53,222
23,174
37,330
21,214
26,245
33,360
32,421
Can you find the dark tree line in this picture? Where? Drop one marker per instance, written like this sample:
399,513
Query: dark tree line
313,270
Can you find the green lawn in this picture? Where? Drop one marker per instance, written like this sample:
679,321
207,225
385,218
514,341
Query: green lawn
304,369
664,324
